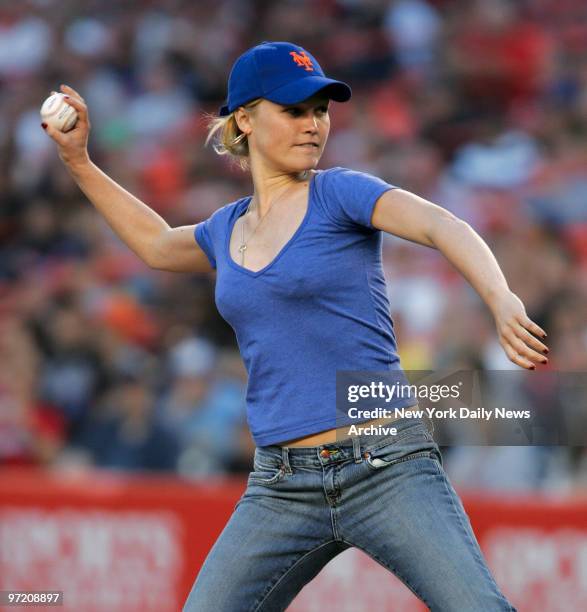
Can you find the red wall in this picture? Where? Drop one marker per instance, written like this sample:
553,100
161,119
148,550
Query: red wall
136,543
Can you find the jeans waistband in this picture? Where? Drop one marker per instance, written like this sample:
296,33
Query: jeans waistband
350,448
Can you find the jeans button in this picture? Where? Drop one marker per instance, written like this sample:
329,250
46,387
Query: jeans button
325,453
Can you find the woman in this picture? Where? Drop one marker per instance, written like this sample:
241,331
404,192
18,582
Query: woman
299,278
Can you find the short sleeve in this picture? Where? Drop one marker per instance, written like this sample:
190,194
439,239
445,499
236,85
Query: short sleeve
203,238
349,197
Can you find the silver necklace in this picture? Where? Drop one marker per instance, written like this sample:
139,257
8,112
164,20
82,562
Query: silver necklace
243,245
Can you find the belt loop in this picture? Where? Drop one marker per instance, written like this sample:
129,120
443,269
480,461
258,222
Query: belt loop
285,459
357,449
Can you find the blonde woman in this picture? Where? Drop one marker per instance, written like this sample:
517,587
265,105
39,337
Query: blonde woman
299,278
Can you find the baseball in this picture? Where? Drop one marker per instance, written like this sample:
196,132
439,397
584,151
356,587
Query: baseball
57,113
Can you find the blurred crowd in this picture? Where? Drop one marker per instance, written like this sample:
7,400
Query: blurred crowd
478,106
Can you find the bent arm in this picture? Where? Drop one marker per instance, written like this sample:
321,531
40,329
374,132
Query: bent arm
409,216
138,226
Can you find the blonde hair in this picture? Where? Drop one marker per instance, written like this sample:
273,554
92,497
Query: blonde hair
228,137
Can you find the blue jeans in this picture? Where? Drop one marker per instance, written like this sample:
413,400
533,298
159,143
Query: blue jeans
387,496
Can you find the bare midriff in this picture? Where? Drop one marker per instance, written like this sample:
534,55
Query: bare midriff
332,435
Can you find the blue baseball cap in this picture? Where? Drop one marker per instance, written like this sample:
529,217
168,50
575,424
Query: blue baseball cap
280,72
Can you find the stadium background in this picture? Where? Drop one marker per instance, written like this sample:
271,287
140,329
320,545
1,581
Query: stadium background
112,373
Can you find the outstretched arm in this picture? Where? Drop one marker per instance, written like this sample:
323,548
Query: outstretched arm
408,216
140,227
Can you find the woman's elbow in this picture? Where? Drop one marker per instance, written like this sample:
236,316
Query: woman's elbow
448,227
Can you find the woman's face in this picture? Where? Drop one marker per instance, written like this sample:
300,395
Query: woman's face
288,138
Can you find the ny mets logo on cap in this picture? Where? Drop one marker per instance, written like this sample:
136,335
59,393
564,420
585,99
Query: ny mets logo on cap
302,60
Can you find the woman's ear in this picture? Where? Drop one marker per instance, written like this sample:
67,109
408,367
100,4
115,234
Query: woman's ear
243,120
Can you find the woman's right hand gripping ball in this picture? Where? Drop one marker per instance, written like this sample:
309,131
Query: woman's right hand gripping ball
73,145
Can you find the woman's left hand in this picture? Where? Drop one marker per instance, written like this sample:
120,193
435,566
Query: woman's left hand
517,332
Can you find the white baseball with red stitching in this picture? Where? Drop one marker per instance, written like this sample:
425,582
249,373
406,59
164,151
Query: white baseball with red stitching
57,113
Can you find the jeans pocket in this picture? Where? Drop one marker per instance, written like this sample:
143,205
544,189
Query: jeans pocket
412,447
266,474
378,463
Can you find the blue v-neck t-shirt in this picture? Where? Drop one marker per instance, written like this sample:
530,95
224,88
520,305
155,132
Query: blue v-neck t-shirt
319,307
